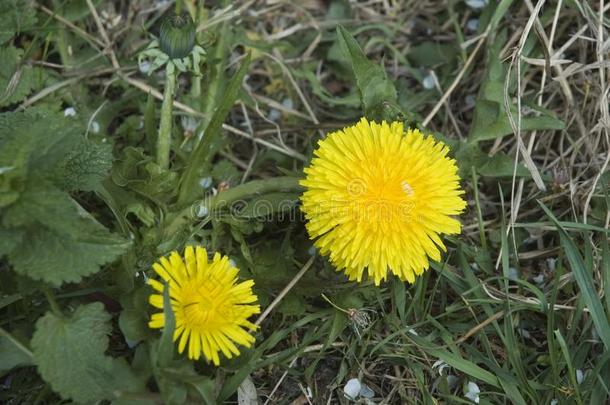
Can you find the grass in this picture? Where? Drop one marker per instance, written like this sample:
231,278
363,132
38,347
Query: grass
519,305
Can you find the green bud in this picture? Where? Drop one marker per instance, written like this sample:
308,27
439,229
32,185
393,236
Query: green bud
177,37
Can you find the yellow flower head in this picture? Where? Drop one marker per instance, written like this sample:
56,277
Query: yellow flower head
211,308
378,198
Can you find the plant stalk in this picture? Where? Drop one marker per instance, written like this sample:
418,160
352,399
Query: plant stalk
165,126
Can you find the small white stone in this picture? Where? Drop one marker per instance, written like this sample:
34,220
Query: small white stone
202,211
539,279
476,4
69,112
205,182
352,389
472,392
366,391
188,123
513,274
472,24
580,376
274,115
554,402
441,365
429,81
287,102
144,66
95,127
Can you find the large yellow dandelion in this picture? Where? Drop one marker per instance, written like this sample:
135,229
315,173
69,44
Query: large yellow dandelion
211,308
378,198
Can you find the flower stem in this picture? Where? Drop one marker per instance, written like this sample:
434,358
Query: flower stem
52,302
165,126
224,199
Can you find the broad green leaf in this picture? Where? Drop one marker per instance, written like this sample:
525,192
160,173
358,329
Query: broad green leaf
9,239
85,166
470,155
490,117
12,353
60,242
15,18
200,159
17,79
70,355
57,258
46,145
377,92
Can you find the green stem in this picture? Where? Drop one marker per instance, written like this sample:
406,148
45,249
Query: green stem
165,126
178,6
52,302
225,198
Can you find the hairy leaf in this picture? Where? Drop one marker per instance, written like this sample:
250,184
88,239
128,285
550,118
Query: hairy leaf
15,17
376,90
17,80
69,353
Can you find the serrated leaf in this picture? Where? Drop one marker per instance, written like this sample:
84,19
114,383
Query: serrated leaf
9,239
376,89
58,258
53,147
69,354
17,80
85,166
15,17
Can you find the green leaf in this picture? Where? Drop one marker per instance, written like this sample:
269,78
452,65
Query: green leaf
15,18
201,157
69,354
60,241
52,238
12,353
17,80
377,92
490,117
85,166
57,258
470,155
46,145
166,349
583,278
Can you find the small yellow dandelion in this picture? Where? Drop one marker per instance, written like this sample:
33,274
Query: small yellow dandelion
210,306
378,198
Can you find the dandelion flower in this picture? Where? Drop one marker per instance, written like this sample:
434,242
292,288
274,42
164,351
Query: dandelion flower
210,306
378,198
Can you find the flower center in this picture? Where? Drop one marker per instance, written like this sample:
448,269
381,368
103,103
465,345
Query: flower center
381,202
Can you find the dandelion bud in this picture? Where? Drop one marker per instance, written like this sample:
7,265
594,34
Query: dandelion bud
177,37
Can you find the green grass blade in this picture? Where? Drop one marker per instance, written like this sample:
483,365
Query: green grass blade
584,280
204,151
